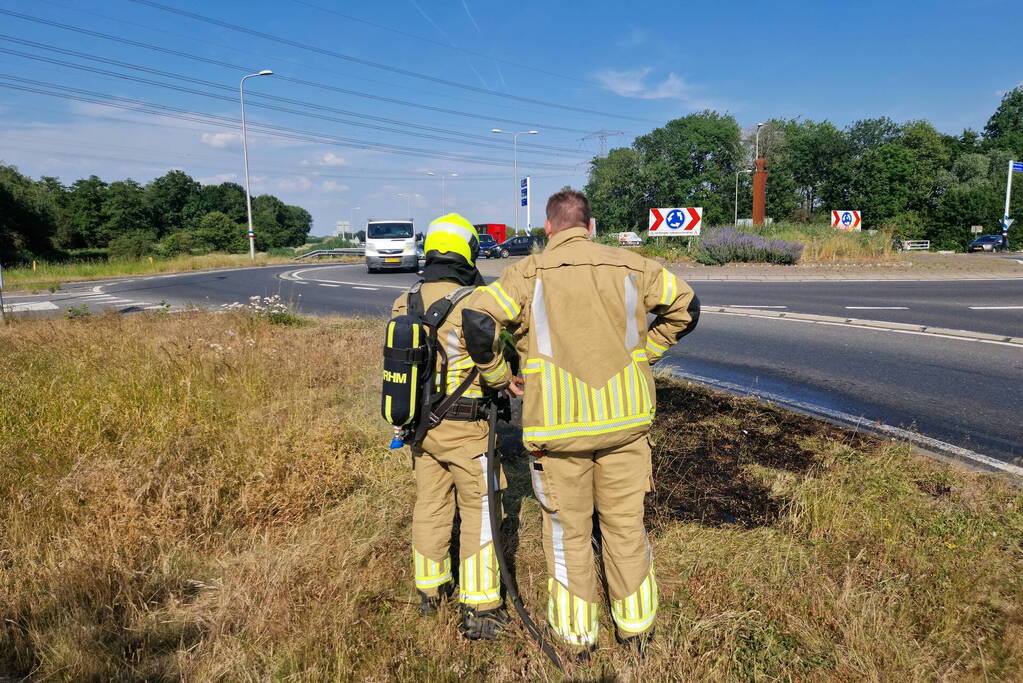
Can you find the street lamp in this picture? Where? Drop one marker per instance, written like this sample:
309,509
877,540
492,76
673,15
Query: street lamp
245,156
515,163
408,201
756,152
443,193
351,218
735,217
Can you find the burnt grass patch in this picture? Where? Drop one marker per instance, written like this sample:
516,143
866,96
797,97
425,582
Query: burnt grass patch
706,445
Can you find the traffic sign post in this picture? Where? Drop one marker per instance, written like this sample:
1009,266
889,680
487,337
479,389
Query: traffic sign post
525,188
2,313
846,219
1014,167
677,222
976,229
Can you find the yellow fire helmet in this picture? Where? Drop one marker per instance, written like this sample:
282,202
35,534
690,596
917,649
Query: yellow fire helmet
452,234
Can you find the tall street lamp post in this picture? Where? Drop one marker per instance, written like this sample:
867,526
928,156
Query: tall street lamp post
408,201
756,146
515,163
245,156
351,219
443,192
735,218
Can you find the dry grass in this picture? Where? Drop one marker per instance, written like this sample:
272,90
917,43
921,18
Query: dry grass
206,496
50,275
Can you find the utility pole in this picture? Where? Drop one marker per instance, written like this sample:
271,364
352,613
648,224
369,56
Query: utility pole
515,164
443,191
1014,167
245,156
603,134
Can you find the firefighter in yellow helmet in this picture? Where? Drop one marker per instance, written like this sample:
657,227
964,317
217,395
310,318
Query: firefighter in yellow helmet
450,463
589,402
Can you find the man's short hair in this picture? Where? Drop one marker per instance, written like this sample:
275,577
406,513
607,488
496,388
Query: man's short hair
568,209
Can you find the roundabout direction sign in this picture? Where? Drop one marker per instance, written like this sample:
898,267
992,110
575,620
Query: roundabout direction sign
846,219
676,222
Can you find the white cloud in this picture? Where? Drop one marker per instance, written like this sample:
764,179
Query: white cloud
221,140
633,83
334,186
328,159
633,37
218,178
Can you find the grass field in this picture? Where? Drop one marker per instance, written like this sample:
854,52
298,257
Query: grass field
198,496
51,275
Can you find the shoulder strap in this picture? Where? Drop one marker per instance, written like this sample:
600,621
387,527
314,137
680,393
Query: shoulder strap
441,308
415,300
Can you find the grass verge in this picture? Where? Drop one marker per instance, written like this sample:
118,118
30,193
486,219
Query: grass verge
50,275
208,496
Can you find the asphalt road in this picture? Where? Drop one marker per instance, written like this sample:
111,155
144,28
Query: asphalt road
963,392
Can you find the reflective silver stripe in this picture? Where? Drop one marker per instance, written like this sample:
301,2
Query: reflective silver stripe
550,416
541,325
585,429
557,533
454,228
631,297
485,530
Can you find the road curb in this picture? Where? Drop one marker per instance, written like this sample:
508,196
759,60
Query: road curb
869,324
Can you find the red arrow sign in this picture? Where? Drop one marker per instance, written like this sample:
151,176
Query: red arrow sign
656,217
694,220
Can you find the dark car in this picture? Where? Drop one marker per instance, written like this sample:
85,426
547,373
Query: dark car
487,242
516,246
987,243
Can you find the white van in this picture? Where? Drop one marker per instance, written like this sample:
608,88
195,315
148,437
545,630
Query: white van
391,245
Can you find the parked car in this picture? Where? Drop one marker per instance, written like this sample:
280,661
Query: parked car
629,239
516,246
987,243
487,242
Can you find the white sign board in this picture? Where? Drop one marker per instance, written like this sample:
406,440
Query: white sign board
684,221
846,219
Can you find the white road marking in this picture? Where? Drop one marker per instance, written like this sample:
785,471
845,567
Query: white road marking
756,307
877,308
325,284
997,308
31,306
154,308
371,289
897,432
866,327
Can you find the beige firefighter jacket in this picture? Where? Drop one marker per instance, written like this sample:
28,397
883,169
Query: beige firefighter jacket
580,309
456,438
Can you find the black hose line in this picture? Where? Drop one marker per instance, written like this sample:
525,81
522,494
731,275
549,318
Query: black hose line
494,505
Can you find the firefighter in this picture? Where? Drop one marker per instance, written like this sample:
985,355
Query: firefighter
581,310
449,463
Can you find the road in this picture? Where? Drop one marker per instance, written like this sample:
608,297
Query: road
964,392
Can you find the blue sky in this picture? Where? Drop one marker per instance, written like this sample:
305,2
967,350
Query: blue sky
566,69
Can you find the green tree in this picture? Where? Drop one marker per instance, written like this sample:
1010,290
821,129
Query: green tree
169,198
1004,130
691,161
124,211
85,215
814,154
217,231
27,217
617,190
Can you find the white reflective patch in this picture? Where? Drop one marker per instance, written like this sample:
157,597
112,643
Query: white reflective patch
459,230
631,298
540,322
557,532
486,533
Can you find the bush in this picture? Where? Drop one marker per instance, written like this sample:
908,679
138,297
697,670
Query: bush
727,246
133,245
177,243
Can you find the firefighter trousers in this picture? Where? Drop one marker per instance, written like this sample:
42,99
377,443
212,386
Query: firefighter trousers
569,486
442,482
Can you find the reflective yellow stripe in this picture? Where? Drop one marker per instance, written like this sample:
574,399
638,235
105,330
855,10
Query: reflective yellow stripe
390,335
430,574
549,404
571,617
635,613
655,348
668,287
506,303
586,429
497,373
387,409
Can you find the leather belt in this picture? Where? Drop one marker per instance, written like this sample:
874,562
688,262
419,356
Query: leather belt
467,410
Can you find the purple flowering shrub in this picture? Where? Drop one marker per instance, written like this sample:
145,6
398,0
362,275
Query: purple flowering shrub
727,246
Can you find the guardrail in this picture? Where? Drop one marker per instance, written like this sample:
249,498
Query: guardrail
353,251
916,245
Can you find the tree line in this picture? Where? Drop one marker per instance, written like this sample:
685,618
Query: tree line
170,215
907,178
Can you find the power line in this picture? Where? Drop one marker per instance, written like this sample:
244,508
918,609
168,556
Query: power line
376,65
78,94
449,46
461,137
298,81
